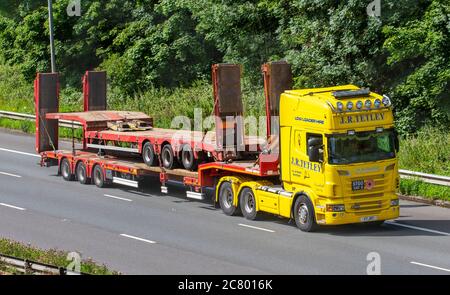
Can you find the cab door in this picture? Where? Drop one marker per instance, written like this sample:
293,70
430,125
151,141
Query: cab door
304,171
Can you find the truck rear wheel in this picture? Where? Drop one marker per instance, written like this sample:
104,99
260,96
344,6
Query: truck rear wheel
81,172
66,171
304,214
226,198
248,203
167,157
99,176
148,154
187,158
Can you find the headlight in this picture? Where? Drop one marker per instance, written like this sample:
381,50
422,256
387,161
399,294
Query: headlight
395,202
377,103
386,101
359,105
349,105
368,104
335,208
340,106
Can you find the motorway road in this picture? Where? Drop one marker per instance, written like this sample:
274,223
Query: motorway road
151,233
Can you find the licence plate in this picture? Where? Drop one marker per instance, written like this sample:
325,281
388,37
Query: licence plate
368,218
357,185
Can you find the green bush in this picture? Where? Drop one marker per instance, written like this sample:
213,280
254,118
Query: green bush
53,257
412,187
428,151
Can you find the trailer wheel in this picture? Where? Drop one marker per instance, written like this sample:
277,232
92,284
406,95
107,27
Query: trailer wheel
66,171
247,202
148,154
82,173
99,177
304,214
187,158
226,197
167,157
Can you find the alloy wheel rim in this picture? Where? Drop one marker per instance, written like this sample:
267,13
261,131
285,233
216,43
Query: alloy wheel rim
303,213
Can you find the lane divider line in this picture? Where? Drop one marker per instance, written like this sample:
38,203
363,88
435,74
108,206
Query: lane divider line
19,152
417,228
138,239
430,266
13,207
255,227
9,174
117,198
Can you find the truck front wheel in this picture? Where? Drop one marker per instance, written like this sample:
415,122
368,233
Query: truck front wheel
226,198
248,203
304,214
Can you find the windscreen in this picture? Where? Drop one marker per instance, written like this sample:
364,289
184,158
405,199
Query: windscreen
361,147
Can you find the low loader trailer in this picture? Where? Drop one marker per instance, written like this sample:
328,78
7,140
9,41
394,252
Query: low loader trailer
330,155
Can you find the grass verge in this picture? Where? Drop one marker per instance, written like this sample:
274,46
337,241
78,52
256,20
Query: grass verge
412,187
53,257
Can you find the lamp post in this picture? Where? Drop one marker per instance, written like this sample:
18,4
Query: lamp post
52,41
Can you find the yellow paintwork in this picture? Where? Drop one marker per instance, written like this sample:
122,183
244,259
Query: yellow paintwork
314,111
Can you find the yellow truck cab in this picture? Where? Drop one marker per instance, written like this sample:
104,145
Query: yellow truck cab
338,151
337,162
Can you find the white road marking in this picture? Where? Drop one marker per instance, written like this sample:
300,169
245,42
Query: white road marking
138,239
9,174
19,152
118,198
255,227
430,266
13,207
418,228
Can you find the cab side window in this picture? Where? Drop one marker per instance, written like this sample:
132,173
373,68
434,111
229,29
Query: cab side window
314,147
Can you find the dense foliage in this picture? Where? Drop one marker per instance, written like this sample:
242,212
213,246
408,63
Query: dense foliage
148,44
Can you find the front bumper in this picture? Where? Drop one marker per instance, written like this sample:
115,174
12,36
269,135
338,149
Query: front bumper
335,218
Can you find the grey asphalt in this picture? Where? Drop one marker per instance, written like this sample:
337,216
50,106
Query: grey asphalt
194,237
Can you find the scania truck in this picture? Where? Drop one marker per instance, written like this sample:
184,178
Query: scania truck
329,157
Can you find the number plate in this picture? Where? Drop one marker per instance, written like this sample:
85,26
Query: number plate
357,185
368,218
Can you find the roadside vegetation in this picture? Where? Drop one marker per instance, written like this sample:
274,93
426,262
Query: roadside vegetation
411,187
52,257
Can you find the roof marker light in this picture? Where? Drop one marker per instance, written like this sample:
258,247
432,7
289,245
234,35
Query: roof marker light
340,106
368,104
377,103
359,105
349,105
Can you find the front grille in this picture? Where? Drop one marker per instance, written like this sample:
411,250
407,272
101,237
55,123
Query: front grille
379,187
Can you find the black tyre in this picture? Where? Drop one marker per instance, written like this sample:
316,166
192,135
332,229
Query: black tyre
187,158
66,172
81,172
98,176
304,214
247,203
148,154
167,157
226,197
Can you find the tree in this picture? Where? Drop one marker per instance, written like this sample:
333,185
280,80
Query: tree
419,52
